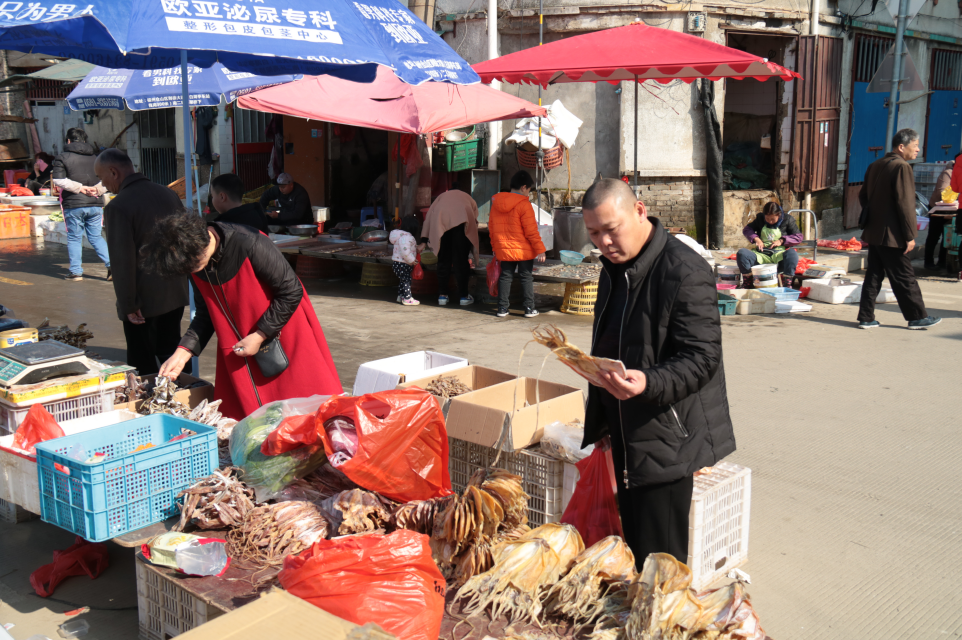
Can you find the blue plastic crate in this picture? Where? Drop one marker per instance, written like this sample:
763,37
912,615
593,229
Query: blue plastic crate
126,491
781,294
726,304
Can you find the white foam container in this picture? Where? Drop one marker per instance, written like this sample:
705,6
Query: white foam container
766,275
388,373
823,290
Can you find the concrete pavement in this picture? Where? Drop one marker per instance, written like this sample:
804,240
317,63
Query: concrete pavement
851,436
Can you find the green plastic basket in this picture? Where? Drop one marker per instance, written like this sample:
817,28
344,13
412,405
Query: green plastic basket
459,156
726,305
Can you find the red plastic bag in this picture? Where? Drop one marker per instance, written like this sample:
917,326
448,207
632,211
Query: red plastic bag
494,274
80,558
593,509
418,273
389,580
38,426
402,445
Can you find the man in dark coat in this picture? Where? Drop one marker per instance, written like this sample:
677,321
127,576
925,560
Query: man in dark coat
73,173
150,307
656,312
292,200
227,195
890,231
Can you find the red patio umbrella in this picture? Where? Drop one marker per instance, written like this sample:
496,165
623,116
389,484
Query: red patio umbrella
636,52
390,104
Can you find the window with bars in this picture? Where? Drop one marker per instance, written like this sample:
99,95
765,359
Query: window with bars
869,53
946,70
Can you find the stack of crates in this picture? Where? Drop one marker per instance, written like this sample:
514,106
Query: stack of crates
91,404
166,609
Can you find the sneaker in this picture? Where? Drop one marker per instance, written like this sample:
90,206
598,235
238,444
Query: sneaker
530,313
74,277
502,312
924,323
410,302
467,300
110,275
442,300
869,325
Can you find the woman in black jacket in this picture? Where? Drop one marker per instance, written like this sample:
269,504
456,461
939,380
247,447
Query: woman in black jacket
249,296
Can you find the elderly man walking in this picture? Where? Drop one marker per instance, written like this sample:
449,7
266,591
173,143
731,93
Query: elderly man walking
888,203
668,417
150,307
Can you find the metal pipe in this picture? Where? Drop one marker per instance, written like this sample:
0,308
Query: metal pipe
813,19
898,62
494,128
539,172
636,135
185,108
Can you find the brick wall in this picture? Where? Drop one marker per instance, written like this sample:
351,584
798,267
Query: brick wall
673,200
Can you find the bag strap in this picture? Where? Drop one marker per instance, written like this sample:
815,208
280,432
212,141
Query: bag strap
229,315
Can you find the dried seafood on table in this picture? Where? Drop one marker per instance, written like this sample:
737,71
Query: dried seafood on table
74,337
215,502
587,366
447,387
270,533
513,586
357,511
579,594
419,515
163,400
317,486
372,253
508,489
133,390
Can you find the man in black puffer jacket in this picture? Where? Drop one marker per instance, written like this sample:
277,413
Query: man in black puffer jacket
656,312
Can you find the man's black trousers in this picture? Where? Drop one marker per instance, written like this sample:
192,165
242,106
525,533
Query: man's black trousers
891,262
153,341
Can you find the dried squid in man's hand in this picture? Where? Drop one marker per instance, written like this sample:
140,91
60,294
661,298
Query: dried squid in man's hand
587,366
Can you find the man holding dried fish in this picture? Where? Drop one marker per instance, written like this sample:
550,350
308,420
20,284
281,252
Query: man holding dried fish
668,416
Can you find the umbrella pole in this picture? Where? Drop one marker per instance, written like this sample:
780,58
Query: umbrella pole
636,135
185,103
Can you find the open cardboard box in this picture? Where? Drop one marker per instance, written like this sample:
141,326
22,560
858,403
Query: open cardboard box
388,373
480,416
278,614
190,397
474,377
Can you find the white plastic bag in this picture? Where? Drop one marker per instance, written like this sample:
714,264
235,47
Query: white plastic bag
563,441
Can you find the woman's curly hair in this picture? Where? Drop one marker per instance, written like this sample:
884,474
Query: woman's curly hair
176,246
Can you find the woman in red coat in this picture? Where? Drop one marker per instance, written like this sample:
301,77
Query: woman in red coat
249,295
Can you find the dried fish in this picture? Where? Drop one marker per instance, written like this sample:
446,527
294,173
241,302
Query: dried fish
356,511
134,388
591,271
215,502
584,365
163,399
75,338
372,253
447,387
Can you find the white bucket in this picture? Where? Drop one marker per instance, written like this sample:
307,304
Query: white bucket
727,274
766,275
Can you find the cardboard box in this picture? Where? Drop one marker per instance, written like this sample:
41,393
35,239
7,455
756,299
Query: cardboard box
388,373
190,397
278,614
474,377
480,416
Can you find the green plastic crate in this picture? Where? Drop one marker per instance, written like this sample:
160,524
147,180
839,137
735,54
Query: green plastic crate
726,305
460,156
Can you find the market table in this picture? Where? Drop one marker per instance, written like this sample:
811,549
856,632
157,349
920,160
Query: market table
134,539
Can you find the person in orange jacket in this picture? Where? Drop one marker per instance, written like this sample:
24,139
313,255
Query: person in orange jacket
516,241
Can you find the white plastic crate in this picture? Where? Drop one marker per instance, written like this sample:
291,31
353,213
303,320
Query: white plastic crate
70,409
543,476
718,523
13,514
823,290
388,373
165,609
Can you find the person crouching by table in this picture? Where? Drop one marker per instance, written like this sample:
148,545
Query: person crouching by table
250,297
669,416
773,232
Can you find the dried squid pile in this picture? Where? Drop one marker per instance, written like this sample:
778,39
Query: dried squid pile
587,366
215,502
662,605
75,338
356,511
447,387
162,400
523,570
273,531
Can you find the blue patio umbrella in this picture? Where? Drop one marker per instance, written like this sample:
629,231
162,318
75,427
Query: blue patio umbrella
161,88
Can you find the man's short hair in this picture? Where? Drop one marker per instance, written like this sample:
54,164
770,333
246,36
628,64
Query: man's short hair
229,184
521,179
608,189
904,137
115,158
75,134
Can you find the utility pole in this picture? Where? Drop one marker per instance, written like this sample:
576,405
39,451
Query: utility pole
898,62
494,128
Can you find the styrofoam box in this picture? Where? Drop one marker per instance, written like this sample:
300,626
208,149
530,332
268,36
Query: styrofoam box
718,523
381,375
823,291
18,471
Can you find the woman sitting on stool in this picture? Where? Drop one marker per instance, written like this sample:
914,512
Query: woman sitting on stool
774,233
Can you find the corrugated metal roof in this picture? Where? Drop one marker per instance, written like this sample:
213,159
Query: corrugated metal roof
66,71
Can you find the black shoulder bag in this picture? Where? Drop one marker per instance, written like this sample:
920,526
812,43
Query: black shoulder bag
270,359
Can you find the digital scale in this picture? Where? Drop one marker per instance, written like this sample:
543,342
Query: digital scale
817,271
40,361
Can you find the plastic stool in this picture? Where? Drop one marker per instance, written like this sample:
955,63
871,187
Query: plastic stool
368,212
